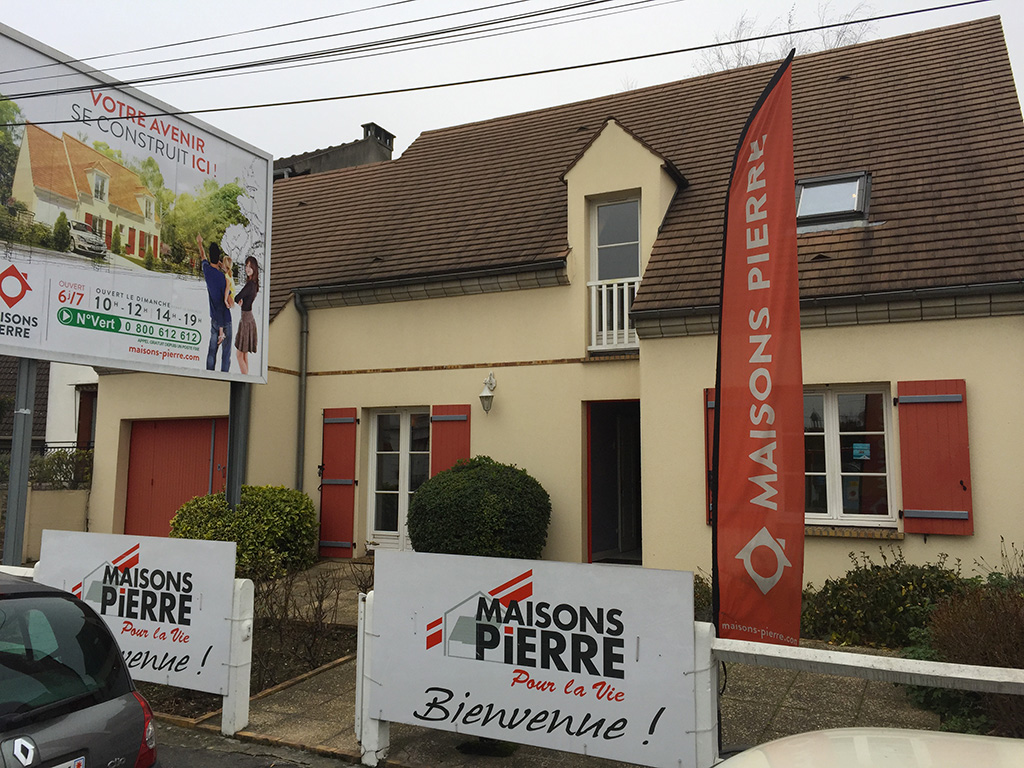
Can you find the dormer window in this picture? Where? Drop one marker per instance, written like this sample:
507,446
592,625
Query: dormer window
615,243
828,199
99,187
618,240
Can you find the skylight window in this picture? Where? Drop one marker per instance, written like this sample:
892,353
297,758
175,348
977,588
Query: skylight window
832,198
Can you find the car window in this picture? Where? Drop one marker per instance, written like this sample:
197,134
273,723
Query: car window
53,650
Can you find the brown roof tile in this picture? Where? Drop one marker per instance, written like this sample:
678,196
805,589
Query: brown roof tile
49,163
932,115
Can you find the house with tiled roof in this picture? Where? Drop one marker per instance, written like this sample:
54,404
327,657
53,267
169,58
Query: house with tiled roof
543,288
62,174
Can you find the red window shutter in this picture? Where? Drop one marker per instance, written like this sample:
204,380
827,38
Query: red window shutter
709,446
449,436
88,220
337,483
109,234
935,457
131,240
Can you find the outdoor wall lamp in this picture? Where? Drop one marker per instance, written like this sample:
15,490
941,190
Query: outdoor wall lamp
487,395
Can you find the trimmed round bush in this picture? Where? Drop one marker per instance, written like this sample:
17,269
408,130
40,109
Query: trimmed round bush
480,507
275,528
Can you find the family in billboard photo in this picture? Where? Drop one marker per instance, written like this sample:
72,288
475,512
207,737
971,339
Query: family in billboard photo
220,288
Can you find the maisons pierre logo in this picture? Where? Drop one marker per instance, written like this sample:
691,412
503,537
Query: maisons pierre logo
124,588
508,625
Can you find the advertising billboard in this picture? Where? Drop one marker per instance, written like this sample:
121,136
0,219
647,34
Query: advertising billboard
591,659
167,601
133,236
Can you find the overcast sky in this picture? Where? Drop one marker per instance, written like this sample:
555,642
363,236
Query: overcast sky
85,30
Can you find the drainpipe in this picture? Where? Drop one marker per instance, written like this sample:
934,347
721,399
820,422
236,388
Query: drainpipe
300,434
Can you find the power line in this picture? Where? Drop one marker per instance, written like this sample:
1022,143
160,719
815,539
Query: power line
264,45
184,76
443,40
530,73
210,38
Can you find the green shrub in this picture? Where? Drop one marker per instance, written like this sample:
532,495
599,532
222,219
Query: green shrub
878,604
61,469
115,241
702,602
480,507
984,625
275,529
61,233
959,711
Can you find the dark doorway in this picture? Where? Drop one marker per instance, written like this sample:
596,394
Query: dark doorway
614,478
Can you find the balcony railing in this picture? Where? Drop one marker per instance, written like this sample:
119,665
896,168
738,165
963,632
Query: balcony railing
611,327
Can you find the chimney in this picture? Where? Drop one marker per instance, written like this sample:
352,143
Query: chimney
374,131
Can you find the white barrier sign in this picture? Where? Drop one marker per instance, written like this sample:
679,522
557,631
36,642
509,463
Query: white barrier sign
167,601
591,659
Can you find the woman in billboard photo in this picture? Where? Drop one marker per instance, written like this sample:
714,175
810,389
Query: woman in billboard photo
245,339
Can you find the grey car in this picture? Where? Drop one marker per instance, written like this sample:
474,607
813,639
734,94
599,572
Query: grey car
66,699
84,240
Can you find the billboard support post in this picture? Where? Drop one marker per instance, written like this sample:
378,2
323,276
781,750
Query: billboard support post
17,495
238,440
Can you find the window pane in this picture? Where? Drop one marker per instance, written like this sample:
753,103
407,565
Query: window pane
865,496
814,413
388,425
420,439
386,513
387,472
830,197
617,223
861,413
615,262
814,453
419,469
862,453
815,495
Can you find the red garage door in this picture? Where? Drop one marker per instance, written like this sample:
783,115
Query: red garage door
170,462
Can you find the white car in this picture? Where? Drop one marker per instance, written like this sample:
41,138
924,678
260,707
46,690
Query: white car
882,748
84,240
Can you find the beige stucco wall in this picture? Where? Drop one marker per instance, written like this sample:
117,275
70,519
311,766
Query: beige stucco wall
54,510
123,398
438,351
985,352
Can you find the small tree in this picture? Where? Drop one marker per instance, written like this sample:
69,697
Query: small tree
480,507
275,529
62,233
115,241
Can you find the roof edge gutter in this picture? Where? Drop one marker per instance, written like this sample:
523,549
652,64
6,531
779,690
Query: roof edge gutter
1015,286
533,266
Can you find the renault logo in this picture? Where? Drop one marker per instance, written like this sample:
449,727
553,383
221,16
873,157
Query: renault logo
776,546
24,750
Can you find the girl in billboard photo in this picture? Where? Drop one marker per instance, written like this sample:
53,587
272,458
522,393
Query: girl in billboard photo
245,339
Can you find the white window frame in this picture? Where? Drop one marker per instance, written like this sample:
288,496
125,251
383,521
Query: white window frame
835,514
390,539
595,206
97,178
610,301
